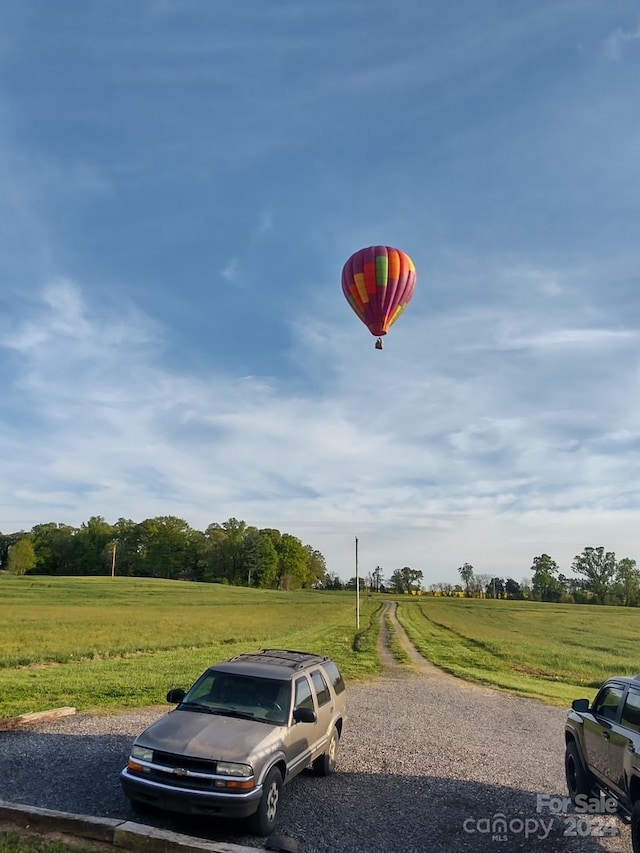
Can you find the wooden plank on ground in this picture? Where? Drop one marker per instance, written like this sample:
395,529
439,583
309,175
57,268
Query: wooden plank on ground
9,723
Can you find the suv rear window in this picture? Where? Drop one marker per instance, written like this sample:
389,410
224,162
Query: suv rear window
334,675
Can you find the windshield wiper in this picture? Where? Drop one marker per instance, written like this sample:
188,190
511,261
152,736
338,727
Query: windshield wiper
196,706
226,713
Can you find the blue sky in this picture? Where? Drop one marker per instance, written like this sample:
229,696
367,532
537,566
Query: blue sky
181,185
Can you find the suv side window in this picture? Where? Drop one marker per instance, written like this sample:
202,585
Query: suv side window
322,690
631,711
304,699
607,702
334,675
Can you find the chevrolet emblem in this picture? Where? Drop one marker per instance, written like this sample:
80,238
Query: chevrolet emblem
180,771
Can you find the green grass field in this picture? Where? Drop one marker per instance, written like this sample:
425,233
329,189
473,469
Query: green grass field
103,644
554,652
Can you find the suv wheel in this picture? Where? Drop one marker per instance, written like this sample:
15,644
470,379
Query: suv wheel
579,780
263,821
325,764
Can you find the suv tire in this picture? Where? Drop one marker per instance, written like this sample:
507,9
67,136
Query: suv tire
635,827
263,820
325,764
579,780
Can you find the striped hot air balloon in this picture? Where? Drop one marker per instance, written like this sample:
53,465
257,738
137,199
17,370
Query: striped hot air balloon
378,283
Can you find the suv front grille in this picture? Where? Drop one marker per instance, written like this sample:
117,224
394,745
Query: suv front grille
170,769
199,765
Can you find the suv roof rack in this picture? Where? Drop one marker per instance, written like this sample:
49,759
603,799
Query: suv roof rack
284,657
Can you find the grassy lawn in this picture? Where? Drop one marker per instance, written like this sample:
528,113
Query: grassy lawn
554,652
21,842
103,644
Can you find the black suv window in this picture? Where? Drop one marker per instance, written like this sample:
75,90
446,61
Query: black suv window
607,702
304,699
631,711
334,674
322,690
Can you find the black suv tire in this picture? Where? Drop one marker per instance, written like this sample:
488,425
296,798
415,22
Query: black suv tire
635,827
579,780
325,764
263,821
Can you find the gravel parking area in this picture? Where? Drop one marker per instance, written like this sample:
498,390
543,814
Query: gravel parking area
427,763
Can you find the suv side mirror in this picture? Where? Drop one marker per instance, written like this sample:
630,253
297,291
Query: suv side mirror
176,696
580,705
305,715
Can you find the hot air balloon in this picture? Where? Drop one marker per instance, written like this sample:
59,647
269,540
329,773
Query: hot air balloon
378,283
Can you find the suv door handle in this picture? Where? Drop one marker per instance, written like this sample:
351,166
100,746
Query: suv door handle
606,735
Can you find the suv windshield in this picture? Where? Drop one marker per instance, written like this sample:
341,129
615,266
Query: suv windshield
263,699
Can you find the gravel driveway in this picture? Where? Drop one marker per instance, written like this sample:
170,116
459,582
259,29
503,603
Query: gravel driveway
426,763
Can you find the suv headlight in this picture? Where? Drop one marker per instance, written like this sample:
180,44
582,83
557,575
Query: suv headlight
233,768
142,753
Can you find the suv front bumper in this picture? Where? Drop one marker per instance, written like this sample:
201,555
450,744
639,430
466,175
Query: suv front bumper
188,801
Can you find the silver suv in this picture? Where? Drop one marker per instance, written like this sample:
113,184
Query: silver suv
246,727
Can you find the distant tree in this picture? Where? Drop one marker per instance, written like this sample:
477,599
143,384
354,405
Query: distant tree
22,556
525,588
54,546
479,584
351,583
466,573
512,589
575,589
627,582
260,559
495,588
292,563
273,534
599,569
406,579
90,551
378,576
566,589
545,585
316,565
332,581
6,541
127,542
163,547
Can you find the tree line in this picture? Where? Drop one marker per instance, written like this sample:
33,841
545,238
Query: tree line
599,578
165,547
404,580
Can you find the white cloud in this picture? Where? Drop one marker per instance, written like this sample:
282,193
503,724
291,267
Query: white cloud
414,455
619,42
230,272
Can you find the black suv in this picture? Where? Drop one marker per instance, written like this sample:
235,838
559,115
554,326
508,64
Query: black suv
603,749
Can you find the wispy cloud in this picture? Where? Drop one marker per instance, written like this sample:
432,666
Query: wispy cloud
619,42
230,272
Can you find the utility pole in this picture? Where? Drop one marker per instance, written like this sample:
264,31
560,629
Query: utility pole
357,590
113,561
